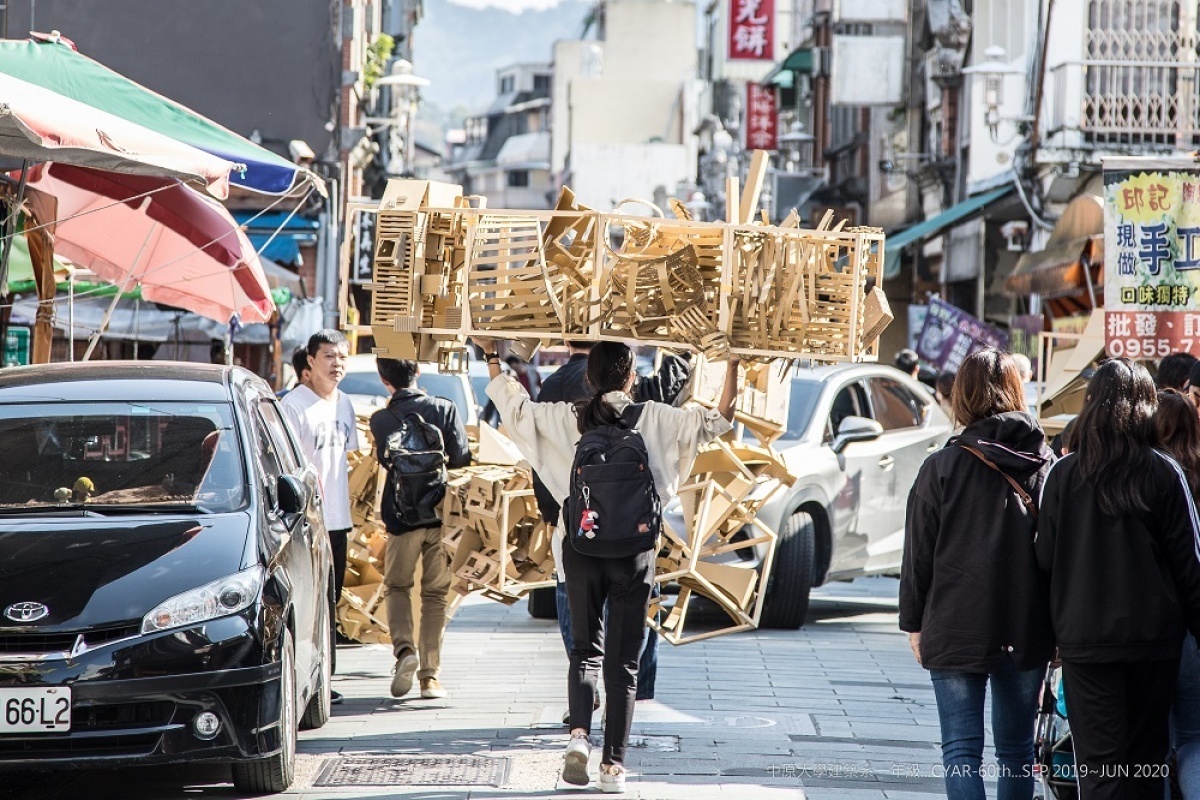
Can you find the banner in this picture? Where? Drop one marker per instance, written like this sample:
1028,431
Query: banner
751,30
950,334
762,118
1152,262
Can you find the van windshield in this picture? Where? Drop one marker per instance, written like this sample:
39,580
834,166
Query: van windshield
120,455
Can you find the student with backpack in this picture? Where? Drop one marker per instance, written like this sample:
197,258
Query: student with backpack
614,465
416,438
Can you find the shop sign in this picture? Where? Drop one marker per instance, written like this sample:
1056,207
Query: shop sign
762,118
751,30
1152,262
950,334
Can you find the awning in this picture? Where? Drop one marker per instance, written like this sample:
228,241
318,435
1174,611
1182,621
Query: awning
1074,250
934,226
1057,271
284,248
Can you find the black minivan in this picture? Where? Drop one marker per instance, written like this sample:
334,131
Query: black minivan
165,577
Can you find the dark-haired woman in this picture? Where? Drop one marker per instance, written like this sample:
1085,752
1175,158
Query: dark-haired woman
1178,429
546,434
970,595
1117,538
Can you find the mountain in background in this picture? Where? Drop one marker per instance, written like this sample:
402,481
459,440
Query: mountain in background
460,48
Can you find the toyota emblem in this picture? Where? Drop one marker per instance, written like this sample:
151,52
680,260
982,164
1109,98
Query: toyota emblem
26,612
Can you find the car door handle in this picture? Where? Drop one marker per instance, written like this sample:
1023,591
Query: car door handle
887,462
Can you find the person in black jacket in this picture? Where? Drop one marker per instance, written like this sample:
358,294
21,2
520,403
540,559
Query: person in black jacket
970,595
405,544
1117,540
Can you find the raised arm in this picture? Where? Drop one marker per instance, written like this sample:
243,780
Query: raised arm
729,393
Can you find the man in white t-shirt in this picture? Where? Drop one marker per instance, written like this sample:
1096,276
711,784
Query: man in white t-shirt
323,419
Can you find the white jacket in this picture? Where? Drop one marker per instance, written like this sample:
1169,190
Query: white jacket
547,433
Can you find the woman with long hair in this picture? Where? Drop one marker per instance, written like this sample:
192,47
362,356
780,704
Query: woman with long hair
1117,540
1178,427
970,595
547,435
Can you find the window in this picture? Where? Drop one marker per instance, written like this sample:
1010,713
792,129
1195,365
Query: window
541,83
851,401
895,406
1003,23
518,179
506,84
279,435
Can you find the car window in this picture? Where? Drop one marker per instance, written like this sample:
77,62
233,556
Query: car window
448,386
266,456
121,454
279,435
850,401
894,406
802,402
366,383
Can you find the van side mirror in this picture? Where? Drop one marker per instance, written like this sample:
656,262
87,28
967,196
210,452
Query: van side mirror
856,429
291,494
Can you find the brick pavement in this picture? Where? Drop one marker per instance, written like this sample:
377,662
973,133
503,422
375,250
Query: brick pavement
836,711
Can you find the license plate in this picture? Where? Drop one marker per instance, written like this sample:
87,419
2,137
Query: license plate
35,710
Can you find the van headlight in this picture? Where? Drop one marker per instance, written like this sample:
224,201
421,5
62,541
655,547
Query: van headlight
222,597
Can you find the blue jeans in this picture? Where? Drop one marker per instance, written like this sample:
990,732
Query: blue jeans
647,665
1185,720
960,703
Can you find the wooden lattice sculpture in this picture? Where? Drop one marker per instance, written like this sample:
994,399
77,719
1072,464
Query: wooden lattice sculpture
446,267
729,485
499,545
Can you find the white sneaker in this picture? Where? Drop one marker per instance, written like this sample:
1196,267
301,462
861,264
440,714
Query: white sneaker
612,779
575,765
402,679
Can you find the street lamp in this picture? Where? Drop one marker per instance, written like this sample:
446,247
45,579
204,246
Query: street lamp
994,70
405,84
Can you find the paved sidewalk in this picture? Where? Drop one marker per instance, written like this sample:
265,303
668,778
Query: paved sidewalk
836,711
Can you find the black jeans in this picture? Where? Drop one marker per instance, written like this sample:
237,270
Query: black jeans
337,543
1118,715
624,584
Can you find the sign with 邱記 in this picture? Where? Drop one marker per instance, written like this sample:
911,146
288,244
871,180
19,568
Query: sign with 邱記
751,30
950,334
1152,260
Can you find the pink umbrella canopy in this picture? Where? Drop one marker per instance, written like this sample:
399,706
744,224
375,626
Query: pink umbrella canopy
182,248
41,125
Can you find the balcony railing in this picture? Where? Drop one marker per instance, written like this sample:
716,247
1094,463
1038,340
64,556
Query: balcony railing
1126,106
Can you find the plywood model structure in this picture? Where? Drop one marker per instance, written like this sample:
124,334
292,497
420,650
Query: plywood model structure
447,267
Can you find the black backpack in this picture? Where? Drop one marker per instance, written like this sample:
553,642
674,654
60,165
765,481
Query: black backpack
416,455
613,509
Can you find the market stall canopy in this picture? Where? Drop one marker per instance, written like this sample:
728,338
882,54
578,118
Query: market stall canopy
1073,255
182,248
52,63
39,124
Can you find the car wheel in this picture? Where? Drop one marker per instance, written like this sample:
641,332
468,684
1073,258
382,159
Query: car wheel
543,603
276,773
791,577
320,704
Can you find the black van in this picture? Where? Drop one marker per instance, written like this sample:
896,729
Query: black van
165,577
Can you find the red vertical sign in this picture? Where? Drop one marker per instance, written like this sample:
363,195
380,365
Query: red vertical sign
751,30
762,118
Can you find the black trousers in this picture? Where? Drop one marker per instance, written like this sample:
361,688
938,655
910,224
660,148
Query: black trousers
337,543
1119,725
624,583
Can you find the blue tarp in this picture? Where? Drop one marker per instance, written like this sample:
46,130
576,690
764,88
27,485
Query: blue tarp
285,247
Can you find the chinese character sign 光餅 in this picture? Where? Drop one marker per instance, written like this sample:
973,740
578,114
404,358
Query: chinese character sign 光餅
751,30
1152,263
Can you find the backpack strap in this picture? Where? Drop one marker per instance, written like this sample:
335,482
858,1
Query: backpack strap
1026,500
632,415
